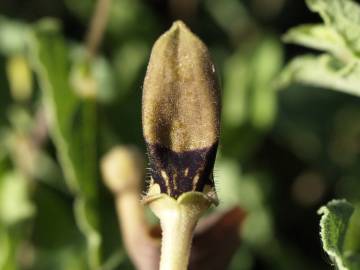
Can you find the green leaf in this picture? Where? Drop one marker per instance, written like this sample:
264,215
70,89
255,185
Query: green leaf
129,60
15,205
15,208
266,64
13,36
339,36
334,224
343,16
249,94
320,37
72,124
322,71
91,78
230,15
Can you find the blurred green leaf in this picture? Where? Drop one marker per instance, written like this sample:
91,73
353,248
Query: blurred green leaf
59,259
92,79
236,86
266,65
7,256
72,123
15,208
15,204
13,35
129,61
231,15
123,16
334,225
235,188
249,92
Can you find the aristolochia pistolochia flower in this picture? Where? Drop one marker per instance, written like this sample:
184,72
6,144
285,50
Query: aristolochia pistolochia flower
180,114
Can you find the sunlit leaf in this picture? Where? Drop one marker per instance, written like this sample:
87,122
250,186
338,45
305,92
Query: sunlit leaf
339,36
323,71
320,37
341,15
15,204
334,224
13,35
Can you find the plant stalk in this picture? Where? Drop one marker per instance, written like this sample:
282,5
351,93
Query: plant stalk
97,27
141,247
177,234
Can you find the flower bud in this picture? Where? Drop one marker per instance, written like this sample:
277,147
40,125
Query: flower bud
181,114
122,168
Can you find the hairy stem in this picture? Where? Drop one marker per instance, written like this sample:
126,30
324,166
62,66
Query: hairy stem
176,241
178,219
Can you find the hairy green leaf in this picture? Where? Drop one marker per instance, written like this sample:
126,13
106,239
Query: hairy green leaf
320,37
341,15
322,71
334,224
339,36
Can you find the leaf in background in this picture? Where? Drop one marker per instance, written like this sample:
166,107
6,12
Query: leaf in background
231,15
123,17
339,36
91,80
235,96
266,64
8,250
15,208
343,16
250,96
334,225
353,238
59,259
13,35
249,93
236,188
72,123
129,60
19,77
15,204
323,71
320,37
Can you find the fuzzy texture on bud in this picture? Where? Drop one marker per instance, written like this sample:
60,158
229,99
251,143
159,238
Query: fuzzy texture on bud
181,114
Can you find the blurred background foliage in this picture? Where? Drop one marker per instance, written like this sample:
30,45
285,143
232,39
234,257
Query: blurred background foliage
284,152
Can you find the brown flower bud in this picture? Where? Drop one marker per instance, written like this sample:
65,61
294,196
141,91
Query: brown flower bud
180,113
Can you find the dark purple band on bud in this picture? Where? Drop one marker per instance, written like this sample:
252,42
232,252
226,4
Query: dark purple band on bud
180,172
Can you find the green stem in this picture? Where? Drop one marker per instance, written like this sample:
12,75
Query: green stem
178,219
177,229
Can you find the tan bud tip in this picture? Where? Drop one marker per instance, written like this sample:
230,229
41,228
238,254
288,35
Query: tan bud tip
181,99
122,168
